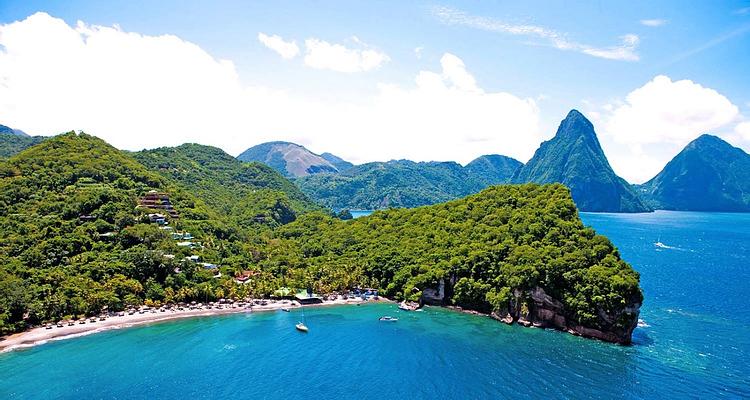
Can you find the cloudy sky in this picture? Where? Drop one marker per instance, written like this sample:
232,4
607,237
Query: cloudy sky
381,80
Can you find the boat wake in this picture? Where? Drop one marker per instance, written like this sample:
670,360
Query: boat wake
661,245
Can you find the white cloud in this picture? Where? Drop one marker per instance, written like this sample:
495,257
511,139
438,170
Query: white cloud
286,50
656,120
336,57
138,91
418,52
653,22
743,129
625,51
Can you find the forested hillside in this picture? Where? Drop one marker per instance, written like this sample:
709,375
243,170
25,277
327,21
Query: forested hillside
575,158
11,144
709,174
404,183
244,192
494,251
85,227
73,238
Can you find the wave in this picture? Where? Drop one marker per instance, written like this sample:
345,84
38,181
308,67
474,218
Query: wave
661,245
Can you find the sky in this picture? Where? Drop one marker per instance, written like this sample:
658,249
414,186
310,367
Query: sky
381,80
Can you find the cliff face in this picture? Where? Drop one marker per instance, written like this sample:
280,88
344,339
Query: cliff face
536,308
543,311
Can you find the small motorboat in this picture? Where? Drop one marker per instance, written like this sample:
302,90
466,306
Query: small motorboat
286,310
388,318
406,307
301,327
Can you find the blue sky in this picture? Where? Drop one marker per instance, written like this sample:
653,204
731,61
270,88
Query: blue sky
533,60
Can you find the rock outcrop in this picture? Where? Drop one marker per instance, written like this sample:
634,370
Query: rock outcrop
538,309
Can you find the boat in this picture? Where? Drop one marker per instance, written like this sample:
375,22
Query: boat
301,327
406,307
388,318
285,309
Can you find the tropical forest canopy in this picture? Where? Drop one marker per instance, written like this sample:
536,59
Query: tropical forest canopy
77,237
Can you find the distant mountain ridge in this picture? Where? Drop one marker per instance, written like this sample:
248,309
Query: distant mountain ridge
404,183
575,158
10,131
709,174
492,169
290,159
338,162
14,141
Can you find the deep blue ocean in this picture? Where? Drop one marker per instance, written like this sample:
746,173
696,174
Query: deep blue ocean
694,341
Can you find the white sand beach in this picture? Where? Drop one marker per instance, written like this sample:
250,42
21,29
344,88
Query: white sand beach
42,334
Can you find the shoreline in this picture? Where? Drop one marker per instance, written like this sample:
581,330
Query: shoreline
41,335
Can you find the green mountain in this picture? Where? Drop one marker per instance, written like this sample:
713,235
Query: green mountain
575,158
337,161
247,192
73,239
709,174
291,160
5,130
78,233
520,252
492,169
13,141
403,183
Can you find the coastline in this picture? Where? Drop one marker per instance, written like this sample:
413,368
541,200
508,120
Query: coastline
41,335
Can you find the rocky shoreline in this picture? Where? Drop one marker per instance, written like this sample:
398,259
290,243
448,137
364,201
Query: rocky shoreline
547,312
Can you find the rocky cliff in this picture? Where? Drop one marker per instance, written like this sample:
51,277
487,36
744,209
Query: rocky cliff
536,308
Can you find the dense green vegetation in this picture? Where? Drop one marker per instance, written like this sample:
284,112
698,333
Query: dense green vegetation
575,158
12,144
709,174
404,183
74,240
492,244
244,192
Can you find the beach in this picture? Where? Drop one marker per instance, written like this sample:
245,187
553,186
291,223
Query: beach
41,334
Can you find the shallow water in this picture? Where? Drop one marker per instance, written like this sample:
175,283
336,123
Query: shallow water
694,341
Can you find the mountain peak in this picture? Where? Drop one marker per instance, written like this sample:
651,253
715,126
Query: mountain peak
708,139
709,174
291,159
574,158
576,125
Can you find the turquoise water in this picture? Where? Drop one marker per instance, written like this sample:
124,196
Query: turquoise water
695,342
360,213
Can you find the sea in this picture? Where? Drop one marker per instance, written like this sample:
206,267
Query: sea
693,341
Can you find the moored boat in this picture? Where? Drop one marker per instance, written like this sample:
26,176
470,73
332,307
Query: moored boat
388,318
407,307
301,327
